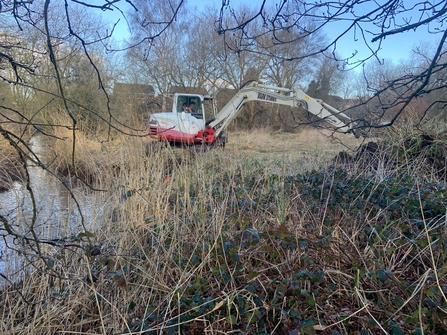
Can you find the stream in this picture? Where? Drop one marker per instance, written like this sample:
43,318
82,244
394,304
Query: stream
57,214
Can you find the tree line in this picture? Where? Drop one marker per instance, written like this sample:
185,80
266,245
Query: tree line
66,56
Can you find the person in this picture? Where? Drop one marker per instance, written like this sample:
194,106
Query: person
191,107
185,107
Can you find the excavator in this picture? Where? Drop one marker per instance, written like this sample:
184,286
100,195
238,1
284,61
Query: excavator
189,126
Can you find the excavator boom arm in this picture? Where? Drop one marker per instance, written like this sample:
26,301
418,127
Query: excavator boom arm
292,97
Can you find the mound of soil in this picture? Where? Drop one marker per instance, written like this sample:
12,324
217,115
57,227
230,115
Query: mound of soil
368,155
426,151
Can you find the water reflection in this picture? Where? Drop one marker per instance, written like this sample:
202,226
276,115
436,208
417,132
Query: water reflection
56,213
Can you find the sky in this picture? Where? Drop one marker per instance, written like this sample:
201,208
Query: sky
394,48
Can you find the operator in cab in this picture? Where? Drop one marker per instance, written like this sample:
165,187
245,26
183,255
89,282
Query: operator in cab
191,107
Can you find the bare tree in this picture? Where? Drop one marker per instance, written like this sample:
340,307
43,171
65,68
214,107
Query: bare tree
51,69
370,22
327,79
202,68
158,60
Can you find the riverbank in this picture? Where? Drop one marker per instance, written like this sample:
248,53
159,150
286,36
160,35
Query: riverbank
94,158
12,168
55,152
266,236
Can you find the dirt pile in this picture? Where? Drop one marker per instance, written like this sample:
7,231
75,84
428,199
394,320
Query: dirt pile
422,151
368,155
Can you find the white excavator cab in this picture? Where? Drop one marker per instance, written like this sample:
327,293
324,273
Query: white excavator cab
183,123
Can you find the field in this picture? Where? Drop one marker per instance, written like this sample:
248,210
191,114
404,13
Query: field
269,236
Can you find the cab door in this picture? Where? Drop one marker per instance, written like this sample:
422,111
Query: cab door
191,120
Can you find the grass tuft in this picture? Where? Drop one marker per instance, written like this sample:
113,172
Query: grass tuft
272,237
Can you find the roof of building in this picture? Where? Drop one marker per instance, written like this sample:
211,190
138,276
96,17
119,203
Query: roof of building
131,89
188,90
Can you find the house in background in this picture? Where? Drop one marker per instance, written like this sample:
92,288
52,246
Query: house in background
136,93
138,99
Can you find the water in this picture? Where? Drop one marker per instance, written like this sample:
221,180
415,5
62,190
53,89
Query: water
54,216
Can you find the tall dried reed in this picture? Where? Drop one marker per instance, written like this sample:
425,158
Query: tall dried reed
266,236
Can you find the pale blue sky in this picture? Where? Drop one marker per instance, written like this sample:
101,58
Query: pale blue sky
396,47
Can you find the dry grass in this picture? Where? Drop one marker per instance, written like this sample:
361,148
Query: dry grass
91,157
239,240
293,153
307,140
11,165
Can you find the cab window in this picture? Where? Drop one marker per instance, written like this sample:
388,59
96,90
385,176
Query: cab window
190,104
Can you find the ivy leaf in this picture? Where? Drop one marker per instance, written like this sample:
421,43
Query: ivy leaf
311,302
85,234
383,275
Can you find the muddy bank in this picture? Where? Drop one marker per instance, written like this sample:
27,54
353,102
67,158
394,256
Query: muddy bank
11,170
422,152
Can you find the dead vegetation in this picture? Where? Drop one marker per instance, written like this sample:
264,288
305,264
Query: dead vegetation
426,152
11,170
257,238
12,165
